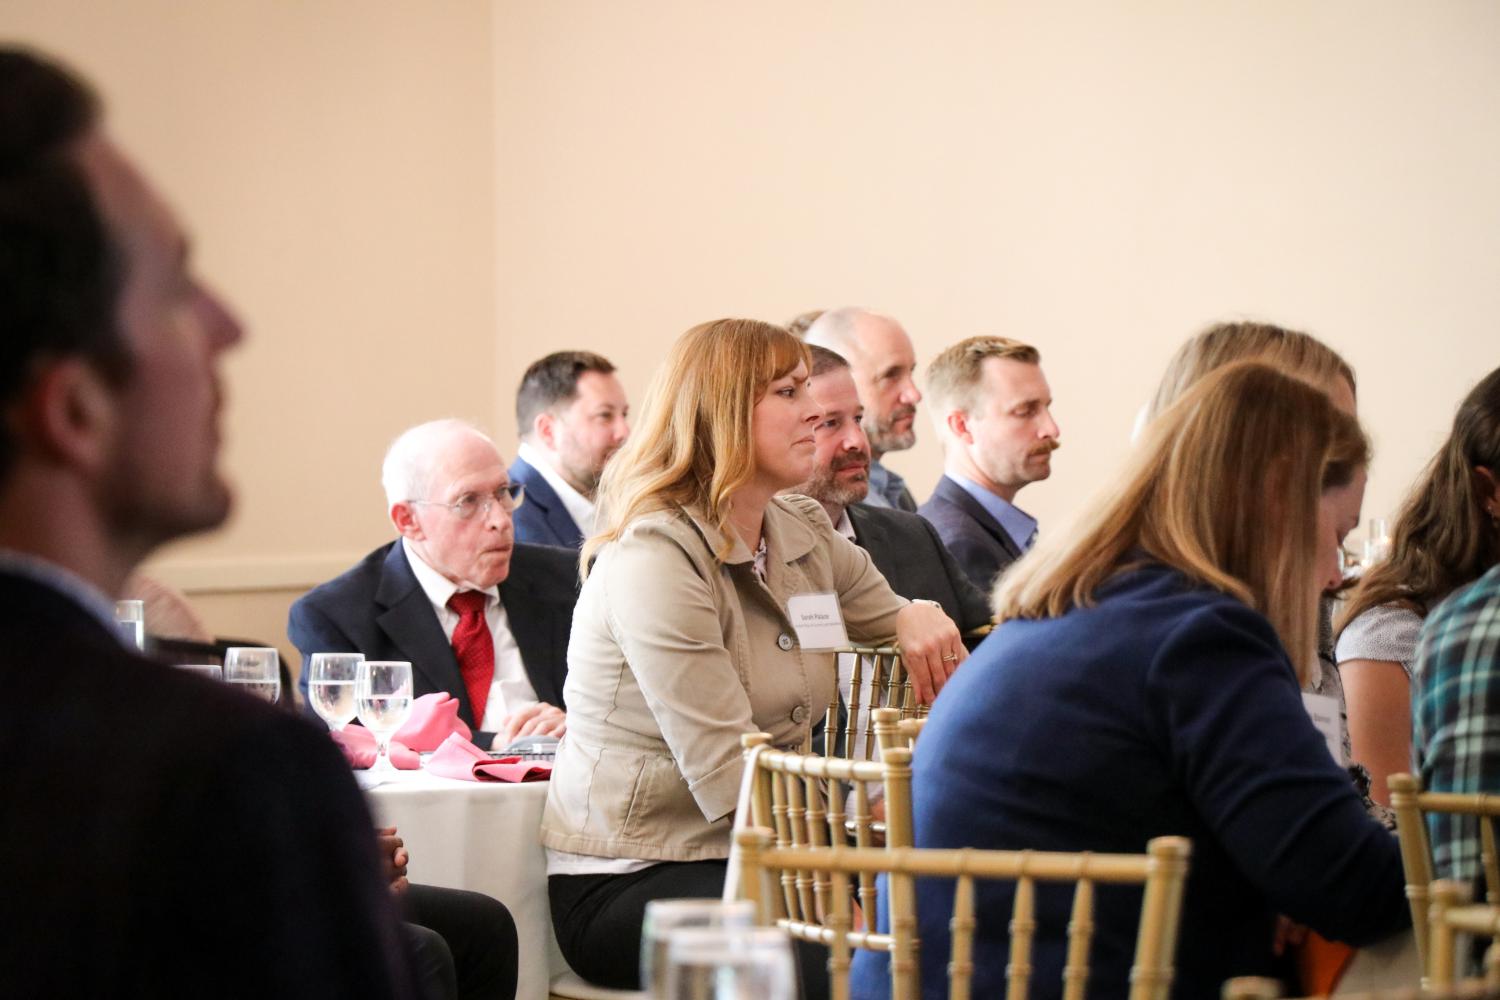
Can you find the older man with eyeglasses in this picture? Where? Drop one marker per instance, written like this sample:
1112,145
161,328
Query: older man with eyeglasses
478,615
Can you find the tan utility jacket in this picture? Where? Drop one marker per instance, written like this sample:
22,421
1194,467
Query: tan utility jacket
674,655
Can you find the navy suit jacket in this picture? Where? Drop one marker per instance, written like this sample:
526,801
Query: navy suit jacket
223,847
981,546
379,609
542,519
913,560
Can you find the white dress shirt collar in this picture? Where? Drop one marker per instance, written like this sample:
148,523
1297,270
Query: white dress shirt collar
579,507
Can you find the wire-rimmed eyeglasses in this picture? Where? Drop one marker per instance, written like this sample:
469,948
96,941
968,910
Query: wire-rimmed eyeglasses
508,497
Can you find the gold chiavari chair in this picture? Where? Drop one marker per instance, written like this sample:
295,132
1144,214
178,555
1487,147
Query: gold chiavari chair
1412,806
821,802
1162,871
878,679
893,731
1255,988
1449,915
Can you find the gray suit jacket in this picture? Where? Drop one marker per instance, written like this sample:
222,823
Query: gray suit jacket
910,555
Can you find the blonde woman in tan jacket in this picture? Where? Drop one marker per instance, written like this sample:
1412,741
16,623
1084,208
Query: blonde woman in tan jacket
682,639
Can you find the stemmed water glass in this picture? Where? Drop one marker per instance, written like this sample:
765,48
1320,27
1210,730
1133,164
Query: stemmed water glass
212,671
382,700
130,616
730,963
664,917
330,686
255,670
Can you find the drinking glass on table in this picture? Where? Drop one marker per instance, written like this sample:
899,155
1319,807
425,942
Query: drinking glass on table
131,617
382,700
212,671
730,963
330,686
666,916
255,670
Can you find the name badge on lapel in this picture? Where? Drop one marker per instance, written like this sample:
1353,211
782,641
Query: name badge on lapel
818,621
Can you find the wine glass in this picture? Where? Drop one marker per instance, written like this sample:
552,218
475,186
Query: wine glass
131,617
666,916
212,671
255,670
382,700
730,963
330,686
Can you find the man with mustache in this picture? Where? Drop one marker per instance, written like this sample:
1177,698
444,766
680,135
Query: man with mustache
883,363
905,548
571,414
992,408
476,614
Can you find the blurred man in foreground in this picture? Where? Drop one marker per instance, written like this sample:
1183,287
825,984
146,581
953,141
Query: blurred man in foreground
167,836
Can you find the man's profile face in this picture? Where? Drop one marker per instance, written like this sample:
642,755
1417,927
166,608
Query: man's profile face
476,552
164,479
591,428
1012,433
884,367
841,459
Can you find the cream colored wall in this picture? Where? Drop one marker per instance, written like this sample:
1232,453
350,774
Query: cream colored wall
410,202
1099,179
335,163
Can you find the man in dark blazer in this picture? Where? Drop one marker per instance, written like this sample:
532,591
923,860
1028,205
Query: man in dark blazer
993,410
571,414
451,501
905,548
167,836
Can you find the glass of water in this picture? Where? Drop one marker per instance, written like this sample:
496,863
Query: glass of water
730,963
131,617
330,686
212,671
382,700
255,670
666,916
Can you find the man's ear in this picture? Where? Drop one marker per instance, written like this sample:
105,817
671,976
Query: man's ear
405,520
958,425
69,415
544,430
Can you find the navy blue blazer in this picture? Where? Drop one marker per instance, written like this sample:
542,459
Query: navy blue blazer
223,848
982,547
1167,708
379,609
542,519
911,557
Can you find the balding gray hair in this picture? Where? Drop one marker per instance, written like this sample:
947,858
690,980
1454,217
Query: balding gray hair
835,329
406,472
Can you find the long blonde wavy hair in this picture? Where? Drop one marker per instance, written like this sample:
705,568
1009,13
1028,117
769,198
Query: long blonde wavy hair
692,444
1224,488
1292,351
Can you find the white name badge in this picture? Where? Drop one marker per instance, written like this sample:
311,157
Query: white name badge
1324,712
818,621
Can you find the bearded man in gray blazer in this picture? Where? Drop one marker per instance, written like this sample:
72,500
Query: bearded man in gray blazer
905,549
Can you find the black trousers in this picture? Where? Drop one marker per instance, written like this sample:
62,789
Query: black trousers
464,943
598,921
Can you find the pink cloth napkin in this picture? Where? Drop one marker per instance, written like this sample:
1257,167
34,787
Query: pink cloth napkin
358,744
458,758
432,718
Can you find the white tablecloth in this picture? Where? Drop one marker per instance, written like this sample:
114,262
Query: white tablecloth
480,836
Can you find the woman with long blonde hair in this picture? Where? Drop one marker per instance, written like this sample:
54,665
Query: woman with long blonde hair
1144,681
683,639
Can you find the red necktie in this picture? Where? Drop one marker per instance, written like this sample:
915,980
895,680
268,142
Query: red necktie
475,648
